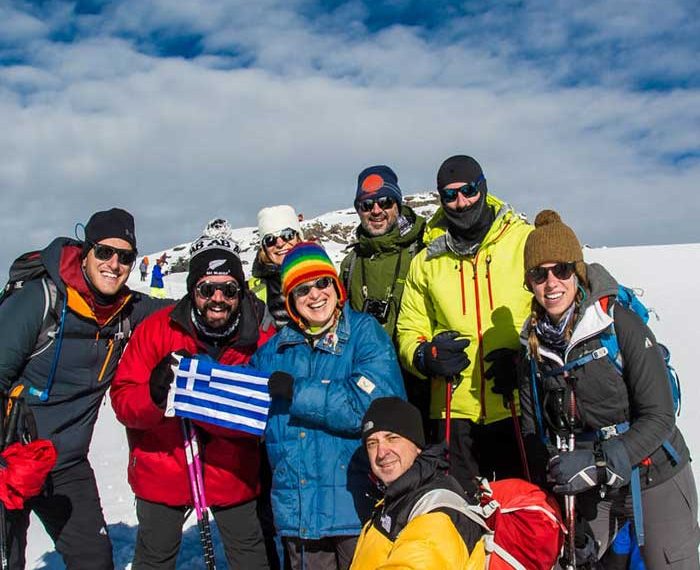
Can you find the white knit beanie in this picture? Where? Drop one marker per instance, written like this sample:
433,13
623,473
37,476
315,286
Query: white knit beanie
274,219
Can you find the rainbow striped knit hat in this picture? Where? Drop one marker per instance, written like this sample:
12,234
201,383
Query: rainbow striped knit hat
307,261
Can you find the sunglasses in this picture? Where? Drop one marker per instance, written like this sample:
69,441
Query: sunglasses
105,253
304,290
563,271
287,235
385,202
469,190
207,289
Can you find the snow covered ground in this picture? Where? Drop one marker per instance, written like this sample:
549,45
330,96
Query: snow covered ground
667,274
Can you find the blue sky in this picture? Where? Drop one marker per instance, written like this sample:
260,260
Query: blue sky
185,110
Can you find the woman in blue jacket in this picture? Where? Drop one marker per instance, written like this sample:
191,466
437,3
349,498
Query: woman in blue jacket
326,367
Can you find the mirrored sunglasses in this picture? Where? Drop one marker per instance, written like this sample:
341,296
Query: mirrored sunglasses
563,271
320,284
105,252
287,235
468,190
207,289
385,203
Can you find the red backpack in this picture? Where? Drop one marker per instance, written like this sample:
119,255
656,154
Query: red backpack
522,524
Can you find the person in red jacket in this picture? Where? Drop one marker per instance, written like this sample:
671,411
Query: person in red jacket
219,317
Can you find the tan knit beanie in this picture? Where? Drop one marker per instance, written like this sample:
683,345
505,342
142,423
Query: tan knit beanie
553,241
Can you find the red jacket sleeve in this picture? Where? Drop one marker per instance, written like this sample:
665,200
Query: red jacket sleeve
151,341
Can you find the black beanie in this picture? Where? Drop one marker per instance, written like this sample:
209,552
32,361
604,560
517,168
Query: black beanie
459,168
395,415
114,223
214,255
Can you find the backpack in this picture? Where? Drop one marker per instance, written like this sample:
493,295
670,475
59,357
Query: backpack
28,267
628,298
522,524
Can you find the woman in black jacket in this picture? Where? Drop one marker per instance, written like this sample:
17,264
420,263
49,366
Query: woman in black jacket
596,433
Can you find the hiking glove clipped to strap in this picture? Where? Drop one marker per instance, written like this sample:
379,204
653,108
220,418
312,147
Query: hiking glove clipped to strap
443,356
162,377
576,471
503,372
281,385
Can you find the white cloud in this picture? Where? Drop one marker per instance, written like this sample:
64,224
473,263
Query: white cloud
96,123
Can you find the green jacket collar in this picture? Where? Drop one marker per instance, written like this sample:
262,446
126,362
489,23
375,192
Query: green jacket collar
392,241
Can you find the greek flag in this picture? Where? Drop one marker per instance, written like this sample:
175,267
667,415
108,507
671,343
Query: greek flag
233,397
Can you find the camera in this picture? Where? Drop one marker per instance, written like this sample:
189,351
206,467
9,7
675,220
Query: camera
377,308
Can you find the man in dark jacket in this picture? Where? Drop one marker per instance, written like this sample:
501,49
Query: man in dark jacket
420,521
220,319
373,272
100,310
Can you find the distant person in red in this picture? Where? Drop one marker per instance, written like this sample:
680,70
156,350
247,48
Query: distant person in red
218,317
143,268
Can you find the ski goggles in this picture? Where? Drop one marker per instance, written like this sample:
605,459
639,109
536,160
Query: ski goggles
207,289
105,252
320,284
468,190
563,271
286,235
385,203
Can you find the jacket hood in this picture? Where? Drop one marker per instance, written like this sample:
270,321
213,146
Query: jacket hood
393,240
51,258
436,236
600,283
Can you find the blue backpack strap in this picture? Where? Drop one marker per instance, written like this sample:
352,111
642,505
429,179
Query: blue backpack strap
43,395
536,399
585,359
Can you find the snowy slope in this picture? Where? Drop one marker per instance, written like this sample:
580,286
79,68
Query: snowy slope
667,274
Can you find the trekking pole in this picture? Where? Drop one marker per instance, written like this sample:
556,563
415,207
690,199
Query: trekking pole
569,444
448,409
4,562
194,474
519,438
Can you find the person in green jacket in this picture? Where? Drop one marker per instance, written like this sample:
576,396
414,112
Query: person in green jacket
462,309
374,271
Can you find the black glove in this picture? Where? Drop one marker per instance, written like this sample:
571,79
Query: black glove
443,356
162,376
281,385
585,545
503,372
576,471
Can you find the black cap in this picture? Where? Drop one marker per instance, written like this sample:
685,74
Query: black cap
459,168
114,223
214,255
395,415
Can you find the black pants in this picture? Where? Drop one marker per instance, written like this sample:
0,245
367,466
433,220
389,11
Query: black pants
329,553
160,533
486,450
71,513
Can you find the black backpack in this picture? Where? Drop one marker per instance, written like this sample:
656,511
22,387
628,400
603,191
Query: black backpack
29,267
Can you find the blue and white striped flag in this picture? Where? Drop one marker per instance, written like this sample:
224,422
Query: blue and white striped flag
234,397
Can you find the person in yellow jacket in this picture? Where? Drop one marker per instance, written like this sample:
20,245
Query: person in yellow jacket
403,532
462,309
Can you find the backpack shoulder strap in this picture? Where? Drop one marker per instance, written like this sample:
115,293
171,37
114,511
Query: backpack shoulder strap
444,498
347,274
50,317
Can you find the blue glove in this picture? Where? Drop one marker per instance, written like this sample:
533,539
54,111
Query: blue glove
443,356
576,471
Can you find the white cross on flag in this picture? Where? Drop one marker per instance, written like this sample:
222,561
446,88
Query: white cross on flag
233,397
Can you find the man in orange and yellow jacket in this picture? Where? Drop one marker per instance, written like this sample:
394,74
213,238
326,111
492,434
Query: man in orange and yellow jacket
407,529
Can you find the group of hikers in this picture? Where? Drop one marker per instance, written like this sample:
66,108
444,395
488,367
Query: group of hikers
471,345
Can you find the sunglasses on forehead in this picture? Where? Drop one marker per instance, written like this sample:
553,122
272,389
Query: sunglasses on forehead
304,290
563,271
105,252
286,235
385,203
207,289
468,190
